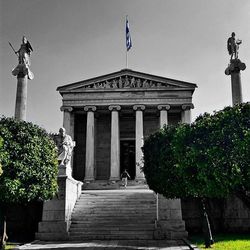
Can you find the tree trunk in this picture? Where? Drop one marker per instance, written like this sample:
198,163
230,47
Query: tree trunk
3,236
206,229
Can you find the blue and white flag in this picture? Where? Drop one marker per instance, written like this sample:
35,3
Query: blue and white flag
128,36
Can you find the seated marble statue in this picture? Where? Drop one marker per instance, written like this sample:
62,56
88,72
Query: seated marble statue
65,146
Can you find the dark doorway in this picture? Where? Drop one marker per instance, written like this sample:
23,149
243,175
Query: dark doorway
127,152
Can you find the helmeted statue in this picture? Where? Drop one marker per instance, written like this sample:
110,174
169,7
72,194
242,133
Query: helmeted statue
23,59
233,46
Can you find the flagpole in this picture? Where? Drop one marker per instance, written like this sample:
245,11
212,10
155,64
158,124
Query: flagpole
126,42
126,58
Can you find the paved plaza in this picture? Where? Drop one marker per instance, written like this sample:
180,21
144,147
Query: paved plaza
111,244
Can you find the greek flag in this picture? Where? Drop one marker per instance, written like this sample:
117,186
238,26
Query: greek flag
128,37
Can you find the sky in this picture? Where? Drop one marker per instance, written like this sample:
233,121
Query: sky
80,39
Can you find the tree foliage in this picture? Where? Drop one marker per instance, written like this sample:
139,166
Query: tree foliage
209,158
29,162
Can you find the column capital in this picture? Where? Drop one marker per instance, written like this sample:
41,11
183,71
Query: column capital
163,107
65,108
187,106
114,107
235,66
90,108
139,107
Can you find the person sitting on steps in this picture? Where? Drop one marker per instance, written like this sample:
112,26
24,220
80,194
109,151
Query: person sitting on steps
125,175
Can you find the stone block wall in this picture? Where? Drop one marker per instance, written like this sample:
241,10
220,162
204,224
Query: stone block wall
170,224
57,212
226,215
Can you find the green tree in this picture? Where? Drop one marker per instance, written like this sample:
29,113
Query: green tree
29,163
207,159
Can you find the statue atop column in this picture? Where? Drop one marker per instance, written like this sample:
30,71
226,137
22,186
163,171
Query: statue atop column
23,54
233,46
234,67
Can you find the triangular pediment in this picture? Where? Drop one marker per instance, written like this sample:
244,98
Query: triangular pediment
126,79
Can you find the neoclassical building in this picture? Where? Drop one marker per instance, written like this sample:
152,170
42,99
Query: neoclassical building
109,117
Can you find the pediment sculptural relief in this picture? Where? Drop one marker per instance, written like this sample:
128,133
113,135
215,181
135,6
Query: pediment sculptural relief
126,82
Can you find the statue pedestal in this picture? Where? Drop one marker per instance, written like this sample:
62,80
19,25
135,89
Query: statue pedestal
56,218
170,224
234,69
65,170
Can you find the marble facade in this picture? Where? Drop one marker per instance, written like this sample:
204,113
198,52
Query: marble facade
110,116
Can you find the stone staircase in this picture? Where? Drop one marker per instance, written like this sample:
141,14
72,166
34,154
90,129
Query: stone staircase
114,214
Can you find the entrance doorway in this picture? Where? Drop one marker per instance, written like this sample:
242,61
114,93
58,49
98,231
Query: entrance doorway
127,159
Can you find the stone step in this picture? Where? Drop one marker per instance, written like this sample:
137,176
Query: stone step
113,232
110,229
109,213
114,215
120,196
110,237
117,194
112,220
118,215
143,235
118,209
76,227
116,199
117,205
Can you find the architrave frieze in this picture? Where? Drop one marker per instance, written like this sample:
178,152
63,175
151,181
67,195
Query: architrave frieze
147,101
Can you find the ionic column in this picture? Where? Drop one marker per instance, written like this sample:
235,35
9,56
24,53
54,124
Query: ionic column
186,113
68,120
234,69
163,114
90,143
139,140
115,143
21,97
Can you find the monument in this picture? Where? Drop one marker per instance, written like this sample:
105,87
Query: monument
23,73
65,147
110,116
56,218
234,68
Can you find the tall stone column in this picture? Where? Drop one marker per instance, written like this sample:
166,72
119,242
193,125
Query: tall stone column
115,143
23,73
21,97
139,140
163,114
186,113
90,144
68,120
234,69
